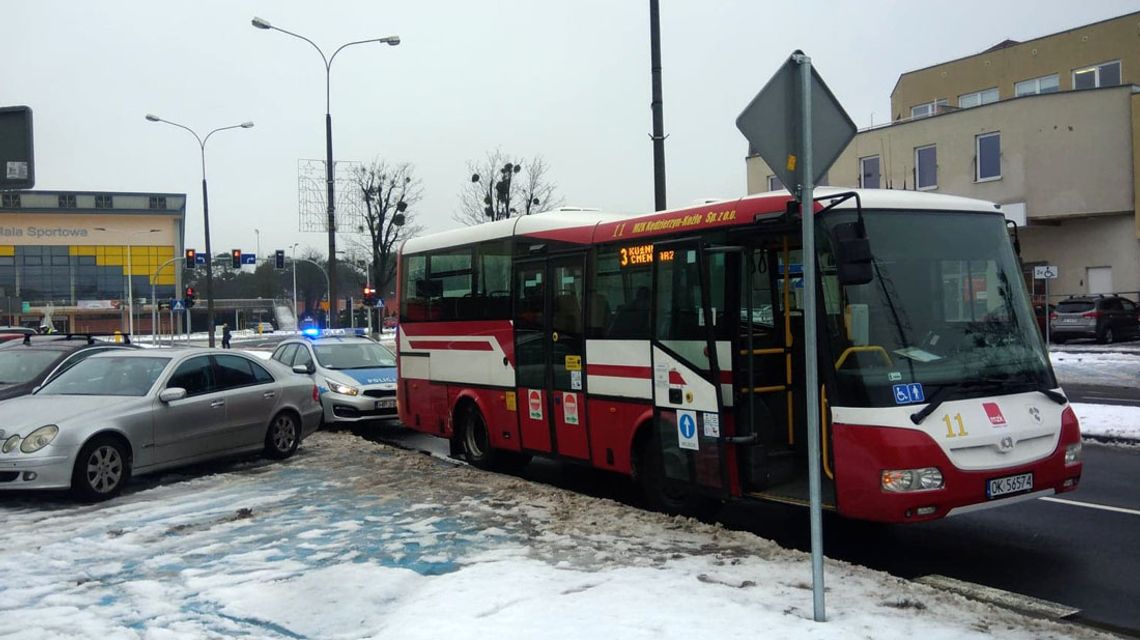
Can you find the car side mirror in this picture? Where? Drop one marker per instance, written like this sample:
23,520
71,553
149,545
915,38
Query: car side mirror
303,369
852,252
171,394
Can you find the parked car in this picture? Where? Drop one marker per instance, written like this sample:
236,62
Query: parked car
19,330
28,362
124,413
262,327
356,376
1103,318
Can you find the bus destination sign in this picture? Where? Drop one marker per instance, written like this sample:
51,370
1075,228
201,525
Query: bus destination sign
641,254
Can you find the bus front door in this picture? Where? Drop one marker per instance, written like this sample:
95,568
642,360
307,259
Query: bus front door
688,394
550,349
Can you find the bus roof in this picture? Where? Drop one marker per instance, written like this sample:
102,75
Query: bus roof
587,226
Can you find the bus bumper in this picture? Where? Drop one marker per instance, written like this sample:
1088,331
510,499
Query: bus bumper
863,452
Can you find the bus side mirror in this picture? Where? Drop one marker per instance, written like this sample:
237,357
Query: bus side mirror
852,253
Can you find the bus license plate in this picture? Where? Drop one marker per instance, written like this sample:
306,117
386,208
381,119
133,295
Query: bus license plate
386,403
1020,483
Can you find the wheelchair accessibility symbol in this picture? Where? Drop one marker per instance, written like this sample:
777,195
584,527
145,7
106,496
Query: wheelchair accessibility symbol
908,393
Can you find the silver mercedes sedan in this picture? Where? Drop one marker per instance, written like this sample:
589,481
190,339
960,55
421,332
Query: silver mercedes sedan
127,413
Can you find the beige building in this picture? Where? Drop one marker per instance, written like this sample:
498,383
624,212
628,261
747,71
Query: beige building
1049,128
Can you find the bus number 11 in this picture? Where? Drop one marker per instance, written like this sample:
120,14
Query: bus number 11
950,427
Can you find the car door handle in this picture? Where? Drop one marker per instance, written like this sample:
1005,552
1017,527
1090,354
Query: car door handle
217,403
269,394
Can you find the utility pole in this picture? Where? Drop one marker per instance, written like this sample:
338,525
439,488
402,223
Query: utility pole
658,135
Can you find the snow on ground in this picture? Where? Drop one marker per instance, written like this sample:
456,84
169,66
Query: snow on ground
1105,365
1106,421
352,539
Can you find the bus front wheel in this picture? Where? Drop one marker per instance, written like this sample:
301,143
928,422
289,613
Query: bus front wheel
475,443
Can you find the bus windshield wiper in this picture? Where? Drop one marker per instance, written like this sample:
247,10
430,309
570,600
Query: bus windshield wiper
1001,384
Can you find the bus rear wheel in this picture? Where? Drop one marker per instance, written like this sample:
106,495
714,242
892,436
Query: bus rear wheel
475,443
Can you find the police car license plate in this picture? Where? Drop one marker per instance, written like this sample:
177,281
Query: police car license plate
1020,483
386,403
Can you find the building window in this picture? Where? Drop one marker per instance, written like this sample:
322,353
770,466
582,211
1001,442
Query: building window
10,200
158,202
104,202
926,167
1044,84
987,149
869,172
67,202
774,183
928,109
1101,75
977,98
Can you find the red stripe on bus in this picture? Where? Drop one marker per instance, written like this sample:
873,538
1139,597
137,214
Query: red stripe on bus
619,371
450,345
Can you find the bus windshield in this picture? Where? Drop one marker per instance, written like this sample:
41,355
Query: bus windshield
946,304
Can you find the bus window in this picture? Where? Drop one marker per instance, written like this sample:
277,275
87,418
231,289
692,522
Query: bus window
415,304
677,308
619,298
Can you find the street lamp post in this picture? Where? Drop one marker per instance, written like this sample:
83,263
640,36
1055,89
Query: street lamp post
328,60
328,281
130,288
205,212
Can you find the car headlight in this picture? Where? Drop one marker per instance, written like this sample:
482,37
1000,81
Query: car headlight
902,480
341,388
10,444
39,438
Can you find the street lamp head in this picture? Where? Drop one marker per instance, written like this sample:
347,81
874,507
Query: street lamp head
261,23
153,118
391,40
247,125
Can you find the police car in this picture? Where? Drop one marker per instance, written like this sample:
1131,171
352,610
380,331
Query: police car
355,375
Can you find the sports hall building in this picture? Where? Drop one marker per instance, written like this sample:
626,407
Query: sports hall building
66,256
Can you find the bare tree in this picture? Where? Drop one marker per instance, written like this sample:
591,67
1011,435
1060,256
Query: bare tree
500,189
390,193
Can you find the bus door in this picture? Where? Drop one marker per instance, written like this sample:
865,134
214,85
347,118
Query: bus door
550,349
687,396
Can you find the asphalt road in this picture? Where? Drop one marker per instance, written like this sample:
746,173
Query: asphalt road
1067,549
1097,394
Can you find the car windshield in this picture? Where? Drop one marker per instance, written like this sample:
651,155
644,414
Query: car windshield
18,366
107,376
946,304
354,355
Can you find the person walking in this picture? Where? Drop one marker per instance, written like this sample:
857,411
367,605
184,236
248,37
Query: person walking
226,336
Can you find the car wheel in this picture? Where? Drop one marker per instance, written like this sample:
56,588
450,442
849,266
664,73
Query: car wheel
101,469
283,436
475,442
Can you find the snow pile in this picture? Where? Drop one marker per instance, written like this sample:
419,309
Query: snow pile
1109,422
352,539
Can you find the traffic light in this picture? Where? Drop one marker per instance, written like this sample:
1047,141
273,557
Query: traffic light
236,254
369,297
191,258
189,297
279,259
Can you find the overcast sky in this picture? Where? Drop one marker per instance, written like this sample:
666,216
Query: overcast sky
568,80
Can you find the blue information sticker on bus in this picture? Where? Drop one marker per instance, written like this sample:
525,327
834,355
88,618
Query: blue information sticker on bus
908,393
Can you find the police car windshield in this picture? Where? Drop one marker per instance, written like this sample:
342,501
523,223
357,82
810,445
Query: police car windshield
354,355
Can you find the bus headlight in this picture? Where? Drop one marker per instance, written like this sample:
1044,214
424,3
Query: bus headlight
903,480
1073,454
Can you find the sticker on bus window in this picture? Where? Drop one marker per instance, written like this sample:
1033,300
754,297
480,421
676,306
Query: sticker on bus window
576,380
711,425
687,430
908,393
573,363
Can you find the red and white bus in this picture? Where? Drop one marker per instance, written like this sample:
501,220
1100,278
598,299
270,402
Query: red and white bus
669,347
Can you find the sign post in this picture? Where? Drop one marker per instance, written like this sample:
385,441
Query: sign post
1046,273
798,127
17,157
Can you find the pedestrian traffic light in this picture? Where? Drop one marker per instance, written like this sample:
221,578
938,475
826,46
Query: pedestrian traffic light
191,258
279,259
189,297
236,255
